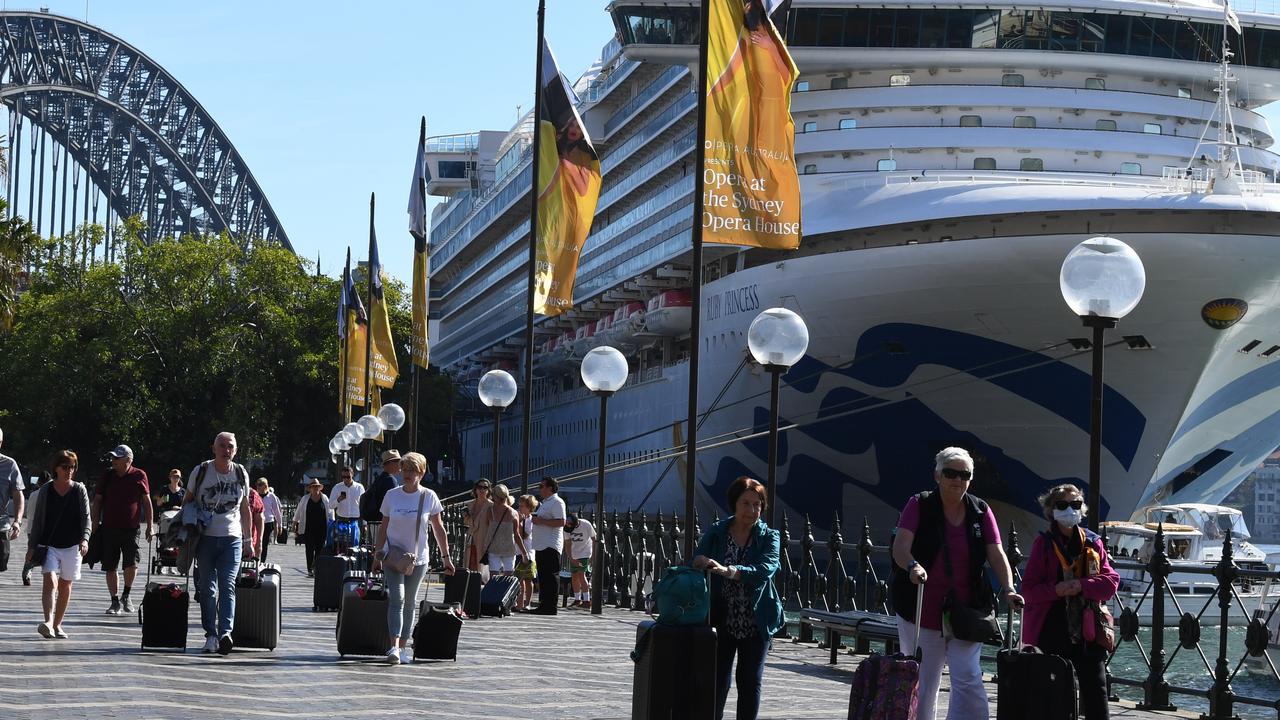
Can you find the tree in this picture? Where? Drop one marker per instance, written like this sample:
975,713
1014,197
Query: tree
18,246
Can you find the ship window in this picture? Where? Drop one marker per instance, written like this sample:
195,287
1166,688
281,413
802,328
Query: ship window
1152,129
886,165
848,124
1184,92
1030,164
802,86
970,121
811,127
899,80
1130,168
839,83
1105,125
1012,80
1095,84
810,169
984,163
1024,121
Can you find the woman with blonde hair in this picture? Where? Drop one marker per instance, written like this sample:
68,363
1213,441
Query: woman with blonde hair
503,541
526,570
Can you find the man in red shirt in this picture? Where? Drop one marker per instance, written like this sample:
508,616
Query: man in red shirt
121,502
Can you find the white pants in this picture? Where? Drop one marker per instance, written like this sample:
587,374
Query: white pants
502,563
63,562
968,695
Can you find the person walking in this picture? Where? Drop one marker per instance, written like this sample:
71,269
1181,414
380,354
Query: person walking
503,542
1068,573
11,488
60,532
219,491
272,517
582,545
344,501
311,522
407,512
121,504
944,538
477,522
741,553
548,540
388,479
526,568
169,497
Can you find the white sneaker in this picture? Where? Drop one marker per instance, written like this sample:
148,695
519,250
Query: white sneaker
210,645
406,655
393,656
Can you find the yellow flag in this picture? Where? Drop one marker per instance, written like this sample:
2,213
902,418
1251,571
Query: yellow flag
418,350
385,366
568,188
751,190
357,332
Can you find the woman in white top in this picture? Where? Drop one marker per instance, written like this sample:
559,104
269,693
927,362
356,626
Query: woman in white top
407,511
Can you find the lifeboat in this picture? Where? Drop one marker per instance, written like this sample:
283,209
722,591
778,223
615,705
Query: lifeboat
604,332
627,321
669,314
564,350
584,338
546,356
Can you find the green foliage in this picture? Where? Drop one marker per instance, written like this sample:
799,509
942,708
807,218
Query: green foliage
18,246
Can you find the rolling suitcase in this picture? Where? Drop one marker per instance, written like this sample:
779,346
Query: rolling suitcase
498,596
326,593
1030,683
258,606
886,687
675,673
163,613
463,587
362,619
436,635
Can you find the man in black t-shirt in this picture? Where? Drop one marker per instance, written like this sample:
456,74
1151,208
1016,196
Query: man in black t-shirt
388,479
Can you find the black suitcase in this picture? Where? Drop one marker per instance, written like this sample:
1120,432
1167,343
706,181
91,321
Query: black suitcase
362,619
675,674
463,587
498,596
326,594
163,616
258,606
1032,684
436,635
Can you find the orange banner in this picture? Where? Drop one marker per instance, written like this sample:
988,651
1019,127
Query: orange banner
751,192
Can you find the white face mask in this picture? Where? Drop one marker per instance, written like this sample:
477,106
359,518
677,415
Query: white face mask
1068,518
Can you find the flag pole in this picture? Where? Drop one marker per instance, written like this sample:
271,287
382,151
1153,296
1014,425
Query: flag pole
695,289
345,412
422,191
368,345
533,258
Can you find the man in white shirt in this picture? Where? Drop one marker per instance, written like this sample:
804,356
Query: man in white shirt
581,542
344,501
548,539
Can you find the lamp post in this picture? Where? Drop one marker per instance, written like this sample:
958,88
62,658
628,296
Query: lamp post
497,390
1102,280
777,338
370,428
604,371
392,417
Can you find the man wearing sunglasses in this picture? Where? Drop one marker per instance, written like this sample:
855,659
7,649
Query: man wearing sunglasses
945,537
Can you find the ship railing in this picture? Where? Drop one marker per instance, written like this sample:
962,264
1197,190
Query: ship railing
1200,180
835,576
1251,182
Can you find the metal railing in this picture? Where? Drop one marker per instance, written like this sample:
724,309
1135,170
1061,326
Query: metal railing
640,547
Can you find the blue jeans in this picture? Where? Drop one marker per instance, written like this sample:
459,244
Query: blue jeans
219,562
402,600
751,653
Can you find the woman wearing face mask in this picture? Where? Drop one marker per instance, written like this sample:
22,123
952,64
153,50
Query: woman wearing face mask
945,537
1068,569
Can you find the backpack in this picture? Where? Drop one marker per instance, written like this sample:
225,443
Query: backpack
682,597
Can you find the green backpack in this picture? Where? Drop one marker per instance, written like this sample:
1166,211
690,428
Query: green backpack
682,597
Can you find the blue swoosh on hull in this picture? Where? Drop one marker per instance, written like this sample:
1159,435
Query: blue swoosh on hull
1245,387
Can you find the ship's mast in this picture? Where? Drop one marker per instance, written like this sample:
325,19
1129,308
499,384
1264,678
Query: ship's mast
1224,167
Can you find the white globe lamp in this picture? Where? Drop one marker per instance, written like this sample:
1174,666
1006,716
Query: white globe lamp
392,416
497,389
604,370
778,337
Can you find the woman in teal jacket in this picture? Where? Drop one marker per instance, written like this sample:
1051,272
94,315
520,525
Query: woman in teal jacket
741,553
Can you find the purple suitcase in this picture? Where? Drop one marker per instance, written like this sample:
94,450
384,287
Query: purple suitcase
886,687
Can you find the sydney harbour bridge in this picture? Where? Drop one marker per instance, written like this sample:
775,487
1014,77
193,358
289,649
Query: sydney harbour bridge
99,132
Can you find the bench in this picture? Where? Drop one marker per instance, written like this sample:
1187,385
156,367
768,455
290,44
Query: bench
866,627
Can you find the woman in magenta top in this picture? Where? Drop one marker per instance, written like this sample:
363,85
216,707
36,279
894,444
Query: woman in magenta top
1069,567
945,537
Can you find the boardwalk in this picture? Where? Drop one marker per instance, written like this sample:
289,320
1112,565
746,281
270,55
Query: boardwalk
570,666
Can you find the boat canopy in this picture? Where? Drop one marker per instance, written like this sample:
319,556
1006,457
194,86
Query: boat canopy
1213,521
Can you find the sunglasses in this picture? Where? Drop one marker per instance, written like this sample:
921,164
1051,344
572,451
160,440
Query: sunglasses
64,466
1074,504
954,474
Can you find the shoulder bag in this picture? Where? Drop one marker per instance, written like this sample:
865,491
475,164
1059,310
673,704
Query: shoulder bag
397,559
975,622
484,559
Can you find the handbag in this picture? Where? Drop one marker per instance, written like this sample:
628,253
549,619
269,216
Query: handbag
397,559
1099,626
484,559
969,622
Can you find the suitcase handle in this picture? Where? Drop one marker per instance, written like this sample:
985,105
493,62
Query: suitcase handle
919,610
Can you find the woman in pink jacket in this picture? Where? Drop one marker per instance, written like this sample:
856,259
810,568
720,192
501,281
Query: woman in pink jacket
1069,571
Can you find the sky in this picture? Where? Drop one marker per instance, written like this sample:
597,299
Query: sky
323,99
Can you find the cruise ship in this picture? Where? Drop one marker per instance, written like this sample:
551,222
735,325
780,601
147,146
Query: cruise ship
950,156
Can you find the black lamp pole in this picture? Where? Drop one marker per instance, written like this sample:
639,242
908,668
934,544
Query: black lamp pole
1099,325
775,374
597,577
497,423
